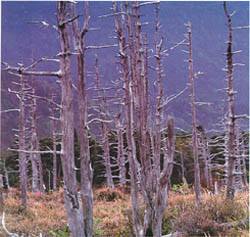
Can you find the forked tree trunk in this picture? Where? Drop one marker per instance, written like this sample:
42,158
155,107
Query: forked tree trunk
121,34
154,214
72,203
86,170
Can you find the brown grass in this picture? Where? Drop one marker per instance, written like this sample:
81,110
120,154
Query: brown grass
112,213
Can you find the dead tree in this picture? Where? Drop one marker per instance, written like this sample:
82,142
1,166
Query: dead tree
120,148
128,100
22,144
72,204
54,121
86,170
148,174
102,104
33,157
203,145
37,169
231,113
194,130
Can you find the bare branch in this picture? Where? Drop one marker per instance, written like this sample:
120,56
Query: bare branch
101,46
172,97
203,103
10,110
44,24
241,116
69,20
3,224
240,27
35,152
113,14
148,3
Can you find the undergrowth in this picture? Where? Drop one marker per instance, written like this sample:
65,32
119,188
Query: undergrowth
113,214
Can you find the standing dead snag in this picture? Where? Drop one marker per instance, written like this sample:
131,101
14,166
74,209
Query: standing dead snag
86,170
231,114
53,125
194,129
121,34
35,158
102,104
22,145
72,203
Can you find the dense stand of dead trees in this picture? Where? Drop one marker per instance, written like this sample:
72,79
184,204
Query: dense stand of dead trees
151,162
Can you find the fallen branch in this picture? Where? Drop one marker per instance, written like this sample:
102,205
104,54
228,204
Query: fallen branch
6,230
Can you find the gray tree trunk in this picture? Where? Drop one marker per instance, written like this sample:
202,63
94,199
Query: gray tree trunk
194,130
72,203
120,150
121,34
105,140
33,156
231,113
22,146
86,170
53,125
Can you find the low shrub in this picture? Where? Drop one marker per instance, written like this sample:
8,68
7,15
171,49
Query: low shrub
109,195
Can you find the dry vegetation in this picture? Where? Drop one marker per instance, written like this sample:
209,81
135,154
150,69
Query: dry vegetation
113,217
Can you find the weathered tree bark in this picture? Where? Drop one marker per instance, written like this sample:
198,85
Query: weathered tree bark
6,175
205,155
231,113
105,140
22,146
33,157
72,203
194,130
244,157
120,149
121,34
37,169
86,170
237,164
53,125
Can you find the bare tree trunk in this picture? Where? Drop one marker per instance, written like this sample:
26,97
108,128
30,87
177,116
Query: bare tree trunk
231,118
120,149
72,203
37,170
154,215
86,170
22,146
6,175
183,167
237,163
1,193
137,225
33,157
105,140
53,125
194,130
203,141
